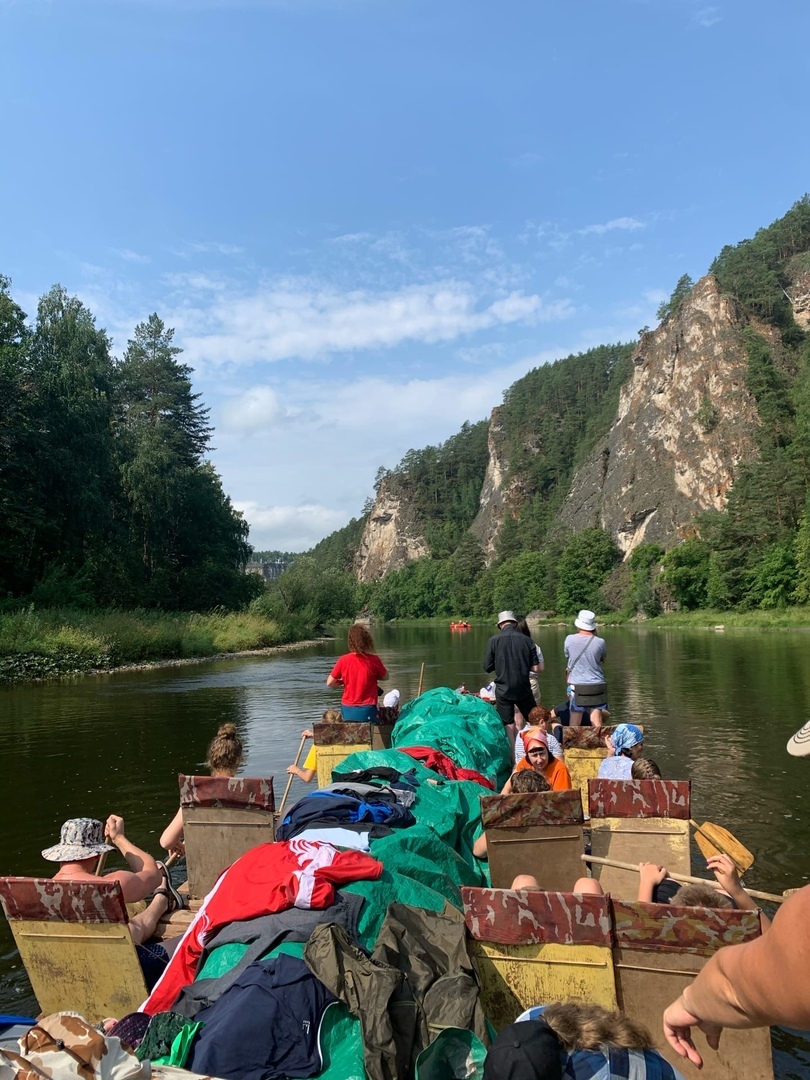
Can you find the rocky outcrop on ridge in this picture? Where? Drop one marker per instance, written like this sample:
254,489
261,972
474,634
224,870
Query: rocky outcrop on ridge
685,424
391,537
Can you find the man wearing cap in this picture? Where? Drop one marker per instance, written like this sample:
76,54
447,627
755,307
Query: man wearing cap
511,655
584,654
81,842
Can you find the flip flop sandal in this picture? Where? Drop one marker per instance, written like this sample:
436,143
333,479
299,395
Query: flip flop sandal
177,902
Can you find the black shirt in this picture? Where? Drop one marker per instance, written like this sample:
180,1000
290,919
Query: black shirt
511,655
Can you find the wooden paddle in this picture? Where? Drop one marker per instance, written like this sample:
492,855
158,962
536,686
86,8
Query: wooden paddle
688,880
421,679
292,776
715,840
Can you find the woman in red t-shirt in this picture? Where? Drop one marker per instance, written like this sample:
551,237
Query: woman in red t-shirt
357,672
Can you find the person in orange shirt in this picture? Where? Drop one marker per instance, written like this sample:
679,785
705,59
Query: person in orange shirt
538,758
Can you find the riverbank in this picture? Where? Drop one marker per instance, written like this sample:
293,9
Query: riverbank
56,643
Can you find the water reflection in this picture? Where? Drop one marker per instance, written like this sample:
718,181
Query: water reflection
713,703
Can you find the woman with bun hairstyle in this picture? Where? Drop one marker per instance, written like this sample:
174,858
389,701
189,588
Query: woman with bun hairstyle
224,758
357,673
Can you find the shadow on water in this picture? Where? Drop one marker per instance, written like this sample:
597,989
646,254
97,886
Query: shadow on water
713,703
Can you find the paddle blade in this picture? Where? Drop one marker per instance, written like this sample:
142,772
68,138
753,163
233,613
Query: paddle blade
715,840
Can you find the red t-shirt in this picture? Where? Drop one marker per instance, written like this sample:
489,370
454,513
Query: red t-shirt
359,676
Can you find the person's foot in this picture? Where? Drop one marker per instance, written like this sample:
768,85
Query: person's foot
175,901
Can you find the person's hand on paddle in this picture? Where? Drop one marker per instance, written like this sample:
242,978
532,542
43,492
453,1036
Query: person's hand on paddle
723,868
306,734
651,873
678,1024
114,828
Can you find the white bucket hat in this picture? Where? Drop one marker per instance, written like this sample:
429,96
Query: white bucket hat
506,616
81,837
391,699
799,744
586,620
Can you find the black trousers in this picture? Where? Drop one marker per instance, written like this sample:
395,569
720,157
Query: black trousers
506,705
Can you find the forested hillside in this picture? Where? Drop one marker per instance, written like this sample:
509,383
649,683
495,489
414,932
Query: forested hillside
755,553
106,495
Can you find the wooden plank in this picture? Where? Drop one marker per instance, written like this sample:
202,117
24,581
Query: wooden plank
583,765
551,853
215,837
669,928
89,968
516,977
47,899
255,792
633,840
532,917
532,808
640,799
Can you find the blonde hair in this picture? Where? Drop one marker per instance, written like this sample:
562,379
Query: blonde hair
695,895
644,768
225,751
332,716
590,1027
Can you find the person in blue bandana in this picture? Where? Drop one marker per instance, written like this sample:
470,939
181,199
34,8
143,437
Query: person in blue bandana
627,742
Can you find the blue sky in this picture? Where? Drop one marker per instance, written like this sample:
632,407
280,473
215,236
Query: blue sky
367,218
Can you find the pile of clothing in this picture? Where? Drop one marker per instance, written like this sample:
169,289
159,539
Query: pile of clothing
356,809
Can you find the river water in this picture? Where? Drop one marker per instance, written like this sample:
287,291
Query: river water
719,708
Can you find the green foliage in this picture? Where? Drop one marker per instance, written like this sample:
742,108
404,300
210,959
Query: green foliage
585,562
311,592
755,271
686,571
524,583
773,577
670,308
708,415
105,493
339,548
643,597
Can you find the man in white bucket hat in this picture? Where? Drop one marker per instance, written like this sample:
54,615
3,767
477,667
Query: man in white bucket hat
584,655
511,655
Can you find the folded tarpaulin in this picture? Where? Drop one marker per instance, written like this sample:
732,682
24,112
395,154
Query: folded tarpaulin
268,878
265,1026
441,763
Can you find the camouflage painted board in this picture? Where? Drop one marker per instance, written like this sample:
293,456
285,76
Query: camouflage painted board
639,799
588,738
342,734
530,918
248,792
46,900
667,928
533,808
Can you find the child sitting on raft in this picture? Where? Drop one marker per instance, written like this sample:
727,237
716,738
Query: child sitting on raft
224,758
644,768
537,720
528,780
309,770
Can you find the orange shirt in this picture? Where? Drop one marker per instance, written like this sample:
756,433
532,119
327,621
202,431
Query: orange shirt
555,772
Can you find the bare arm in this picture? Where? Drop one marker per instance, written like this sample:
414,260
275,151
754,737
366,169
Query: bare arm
480,847
723,868
172,835
332,681
758,984
649,875
143,876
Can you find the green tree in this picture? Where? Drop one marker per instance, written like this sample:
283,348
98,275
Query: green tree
585,562
668,309
686,571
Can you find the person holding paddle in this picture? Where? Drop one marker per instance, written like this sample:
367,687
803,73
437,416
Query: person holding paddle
584,655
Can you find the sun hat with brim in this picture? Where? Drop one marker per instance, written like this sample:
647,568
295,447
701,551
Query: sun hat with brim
799,744
506,616
81,837
586,620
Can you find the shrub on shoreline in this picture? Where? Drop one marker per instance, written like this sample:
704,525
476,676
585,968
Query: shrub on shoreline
58,642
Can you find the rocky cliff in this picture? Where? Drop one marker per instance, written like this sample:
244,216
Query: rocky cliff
685,423
498,495
391,537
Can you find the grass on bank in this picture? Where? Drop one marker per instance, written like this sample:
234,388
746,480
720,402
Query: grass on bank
53,642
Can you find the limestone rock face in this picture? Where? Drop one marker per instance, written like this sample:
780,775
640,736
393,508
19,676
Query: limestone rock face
498,496
391,538
799,272
685,424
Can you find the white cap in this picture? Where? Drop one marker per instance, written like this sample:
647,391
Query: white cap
586,620
391,699
507,616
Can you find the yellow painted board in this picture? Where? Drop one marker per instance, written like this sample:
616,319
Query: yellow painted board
516,977
583,765
633,840
91,969
329,757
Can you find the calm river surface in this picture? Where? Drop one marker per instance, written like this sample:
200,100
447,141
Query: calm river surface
720,708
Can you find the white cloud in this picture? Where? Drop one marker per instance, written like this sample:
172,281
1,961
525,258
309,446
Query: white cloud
708,16
290,528
299,320
255,410
206,247
128,255
629,223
